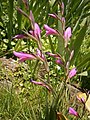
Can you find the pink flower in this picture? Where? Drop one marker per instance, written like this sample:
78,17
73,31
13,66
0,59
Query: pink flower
53,55
36,32
63,19
20,36
73,112
67,33
32,32
50,31
81,99
31,16
24,56
58,61
41,84
53,15
72,73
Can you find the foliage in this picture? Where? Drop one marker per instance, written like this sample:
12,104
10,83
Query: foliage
52,70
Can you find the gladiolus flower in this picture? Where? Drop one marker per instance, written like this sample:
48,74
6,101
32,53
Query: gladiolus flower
53,55
72,73
82,97
67,33
50,31
53,15
20,36
41,84
36,32
73,112
58,61
63,20
24,56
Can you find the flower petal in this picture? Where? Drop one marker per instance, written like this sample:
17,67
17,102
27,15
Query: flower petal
72,73
50,31
58,61
39,54
67,33
41,84
53,55
20,36
37,31
73,112
53,15
24,56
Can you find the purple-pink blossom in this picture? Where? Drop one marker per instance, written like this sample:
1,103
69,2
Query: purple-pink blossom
72,72
53,15
81,99
24,56
50,31
73,112
36,32
63,20
67,33
20,36
41,84
58,61
52,54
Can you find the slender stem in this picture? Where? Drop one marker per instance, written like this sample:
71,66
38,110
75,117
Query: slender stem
35,67
51,44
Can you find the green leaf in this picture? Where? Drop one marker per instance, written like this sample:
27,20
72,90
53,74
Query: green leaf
79,39
52,2
18,44
85,60
83,73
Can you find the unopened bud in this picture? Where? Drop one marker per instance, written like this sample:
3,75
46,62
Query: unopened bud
71,55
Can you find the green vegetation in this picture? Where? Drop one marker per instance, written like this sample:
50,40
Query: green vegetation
53,69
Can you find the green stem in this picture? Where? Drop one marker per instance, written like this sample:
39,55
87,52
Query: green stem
51,44
35,67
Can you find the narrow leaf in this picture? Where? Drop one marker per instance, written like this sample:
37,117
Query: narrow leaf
79,39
